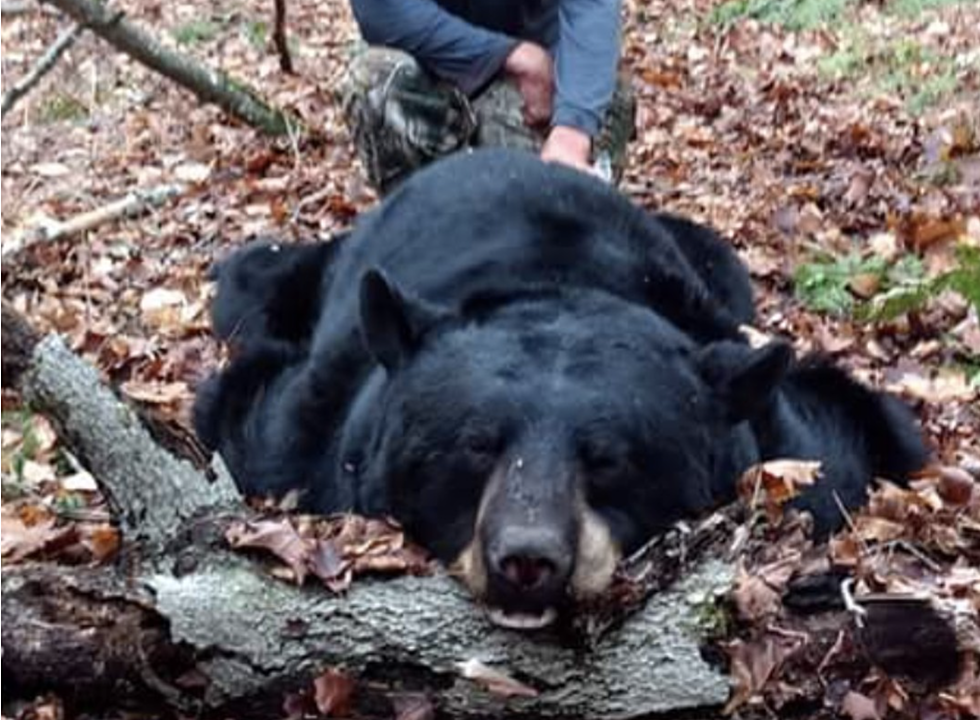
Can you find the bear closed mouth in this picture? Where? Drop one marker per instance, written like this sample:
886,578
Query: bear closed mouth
522,621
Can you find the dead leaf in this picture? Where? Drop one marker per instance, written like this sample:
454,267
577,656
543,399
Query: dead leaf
161,308
776,482
154,392
278,537
327,563
333,691
956,486
944,386
857,191
865,285
81,481
753,663
102,541
412,706
494,681
878,529
51,169
192,172
859,707
19,541
35,473
753,597
884,245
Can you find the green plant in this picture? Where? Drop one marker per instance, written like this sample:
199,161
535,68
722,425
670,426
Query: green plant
27,448
912,293
824,283
791,14
68,503
913,8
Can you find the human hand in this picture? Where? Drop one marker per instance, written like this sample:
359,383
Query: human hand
531,68
569,146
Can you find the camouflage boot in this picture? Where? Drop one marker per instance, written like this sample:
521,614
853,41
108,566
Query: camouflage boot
618,129
500,119
401,118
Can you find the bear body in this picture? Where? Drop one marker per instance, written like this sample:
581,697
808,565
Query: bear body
529,372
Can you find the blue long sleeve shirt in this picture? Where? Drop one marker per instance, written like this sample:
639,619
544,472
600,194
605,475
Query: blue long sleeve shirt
467,42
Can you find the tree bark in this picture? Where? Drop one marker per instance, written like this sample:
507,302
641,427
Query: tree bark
210,86
249,637
151,492
18,342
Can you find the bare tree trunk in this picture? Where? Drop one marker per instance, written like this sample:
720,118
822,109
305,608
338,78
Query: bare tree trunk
210,86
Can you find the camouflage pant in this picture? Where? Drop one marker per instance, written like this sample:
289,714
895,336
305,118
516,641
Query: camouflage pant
402,118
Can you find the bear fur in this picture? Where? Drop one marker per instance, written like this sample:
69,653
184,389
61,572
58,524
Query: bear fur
532,374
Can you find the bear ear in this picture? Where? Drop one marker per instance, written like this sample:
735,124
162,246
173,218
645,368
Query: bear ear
745,379
392,325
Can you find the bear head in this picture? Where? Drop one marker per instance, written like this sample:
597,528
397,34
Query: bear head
530,444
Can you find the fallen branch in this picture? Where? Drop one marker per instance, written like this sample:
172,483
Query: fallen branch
189,623
280,39
42,68
195,608
135,203
150,492
209,86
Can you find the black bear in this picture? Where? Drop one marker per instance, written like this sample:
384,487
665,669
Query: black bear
532,374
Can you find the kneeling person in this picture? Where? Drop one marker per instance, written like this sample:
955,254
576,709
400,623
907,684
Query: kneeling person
443,75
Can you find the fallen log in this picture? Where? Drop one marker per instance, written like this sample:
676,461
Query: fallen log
196,608
181,619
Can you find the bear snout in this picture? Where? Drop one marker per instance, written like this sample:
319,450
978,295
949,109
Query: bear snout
537,546
528,567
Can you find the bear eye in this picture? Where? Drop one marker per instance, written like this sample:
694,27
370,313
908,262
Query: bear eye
601,463
481,443
603,456
597,459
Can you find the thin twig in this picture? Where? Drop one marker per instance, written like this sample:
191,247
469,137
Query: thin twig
312,199
42,68
849,521
280,39
134,203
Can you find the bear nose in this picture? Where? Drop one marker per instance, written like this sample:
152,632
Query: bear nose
531,560
526,571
